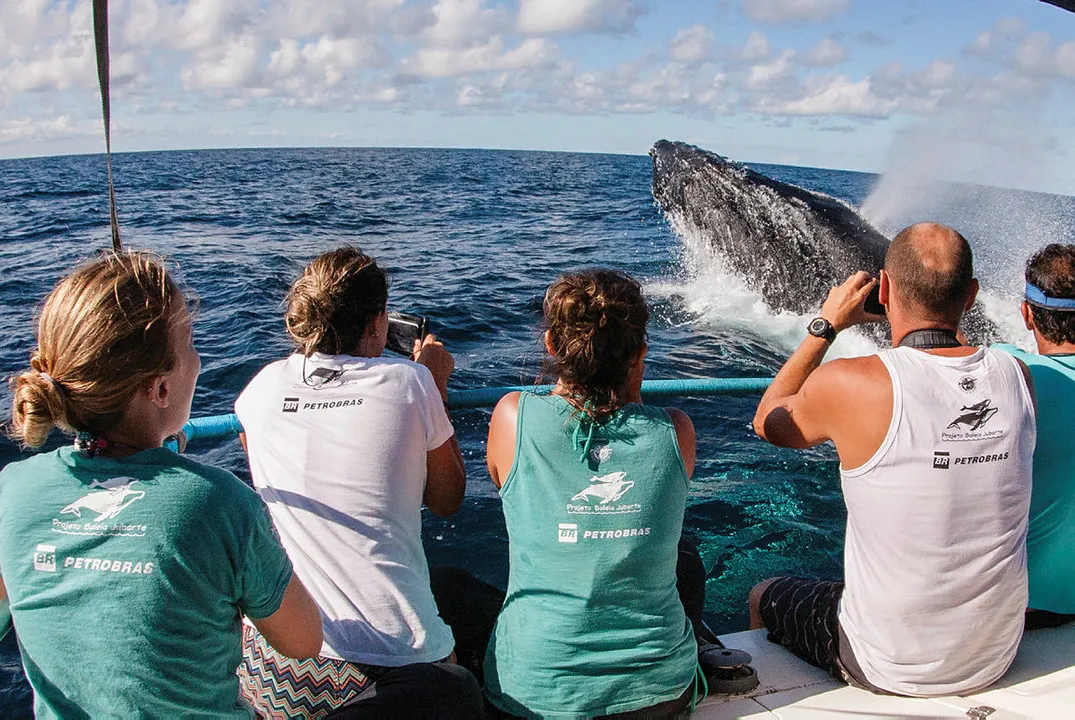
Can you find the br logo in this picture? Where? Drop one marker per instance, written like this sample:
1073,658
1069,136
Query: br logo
568,533
291,405
45,558
107,498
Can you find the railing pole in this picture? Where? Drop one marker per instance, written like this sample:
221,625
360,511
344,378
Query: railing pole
220,426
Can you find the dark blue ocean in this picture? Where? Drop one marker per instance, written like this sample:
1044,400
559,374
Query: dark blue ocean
471,239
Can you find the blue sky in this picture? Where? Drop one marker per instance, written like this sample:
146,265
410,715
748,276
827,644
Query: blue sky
980,90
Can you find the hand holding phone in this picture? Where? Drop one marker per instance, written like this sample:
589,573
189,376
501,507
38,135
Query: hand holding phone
403,331
432,353
873,301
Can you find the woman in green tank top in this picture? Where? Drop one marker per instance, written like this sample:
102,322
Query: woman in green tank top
594,486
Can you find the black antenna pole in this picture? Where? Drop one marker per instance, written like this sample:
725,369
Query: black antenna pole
100,37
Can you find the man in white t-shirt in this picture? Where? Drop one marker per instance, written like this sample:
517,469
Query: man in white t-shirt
345,447
935,442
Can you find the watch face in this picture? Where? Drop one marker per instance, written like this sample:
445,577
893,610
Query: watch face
818,326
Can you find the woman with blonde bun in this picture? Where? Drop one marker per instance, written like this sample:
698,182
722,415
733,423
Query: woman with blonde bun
128,567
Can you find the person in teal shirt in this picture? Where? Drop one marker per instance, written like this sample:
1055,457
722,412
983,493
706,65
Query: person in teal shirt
1049,312
594,486
128,568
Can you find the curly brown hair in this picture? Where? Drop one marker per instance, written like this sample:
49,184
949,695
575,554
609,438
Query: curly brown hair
331,305
596,320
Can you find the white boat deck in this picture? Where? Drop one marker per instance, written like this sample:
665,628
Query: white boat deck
1040,684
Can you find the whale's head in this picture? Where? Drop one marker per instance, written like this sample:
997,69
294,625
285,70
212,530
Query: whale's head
676,162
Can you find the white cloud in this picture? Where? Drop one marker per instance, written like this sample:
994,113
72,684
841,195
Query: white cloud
232,65
826,53
1010,26
756,47
981,45
448,62
325,61
460,23
338,18
206,24
478,56
938,74
26,25
60,127
793,11
772,72
554,17
838,95
1064,59
47,49
1032,53
691,45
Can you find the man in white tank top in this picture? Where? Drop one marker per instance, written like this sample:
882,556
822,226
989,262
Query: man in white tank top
936,441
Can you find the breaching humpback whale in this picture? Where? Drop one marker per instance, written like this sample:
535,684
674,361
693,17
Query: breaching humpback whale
788,243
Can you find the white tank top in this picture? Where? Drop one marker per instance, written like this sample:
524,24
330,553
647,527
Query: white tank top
935,554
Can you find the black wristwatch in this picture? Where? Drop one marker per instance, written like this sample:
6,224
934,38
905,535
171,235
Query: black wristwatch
822,328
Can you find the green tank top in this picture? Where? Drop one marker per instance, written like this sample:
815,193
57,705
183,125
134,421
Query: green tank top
592,623
1050,540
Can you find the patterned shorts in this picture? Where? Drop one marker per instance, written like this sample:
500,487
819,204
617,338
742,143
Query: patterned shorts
801,614
281,687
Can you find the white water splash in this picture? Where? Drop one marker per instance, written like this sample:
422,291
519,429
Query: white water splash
720,299
950,170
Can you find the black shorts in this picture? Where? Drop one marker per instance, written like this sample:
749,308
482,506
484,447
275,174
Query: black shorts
802,615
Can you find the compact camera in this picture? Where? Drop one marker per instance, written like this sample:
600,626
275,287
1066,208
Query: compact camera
403,330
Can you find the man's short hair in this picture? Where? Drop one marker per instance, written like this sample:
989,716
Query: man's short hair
935,284
1052,270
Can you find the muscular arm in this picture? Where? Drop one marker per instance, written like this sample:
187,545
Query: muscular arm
294,629
790,412
847,401
500,448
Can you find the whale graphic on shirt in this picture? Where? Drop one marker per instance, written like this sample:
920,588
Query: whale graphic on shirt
609,488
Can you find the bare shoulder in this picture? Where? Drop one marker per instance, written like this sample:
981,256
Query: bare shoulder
854,374
508,406
679,418
682,424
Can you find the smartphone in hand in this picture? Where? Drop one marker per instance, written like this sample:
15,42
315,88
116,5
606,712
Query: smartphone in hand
873,302
403,330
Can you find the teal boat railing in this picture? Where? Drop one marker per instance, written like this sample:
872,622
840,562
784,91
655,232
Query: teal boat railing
216,427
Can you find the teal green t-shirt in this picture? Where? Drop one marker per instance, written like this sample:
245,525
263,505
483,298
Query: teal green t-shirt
1050,544
127,578
592,623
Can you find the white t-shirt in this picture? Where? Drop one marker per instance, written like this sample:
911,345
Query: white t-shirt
935,554
337,448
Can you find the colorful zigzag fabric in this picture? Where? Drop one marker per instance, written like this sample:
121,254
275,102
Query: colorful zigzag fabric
281,687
